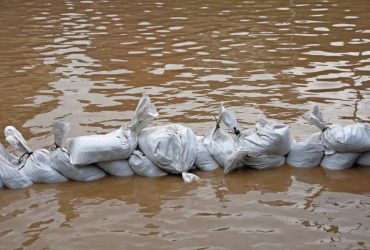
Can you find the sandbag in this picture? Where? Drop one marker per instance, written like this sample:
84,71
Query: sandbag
172,147
10,176
60,158
8,156
339,161
141,165
354,138
308,153
220,144
117,167
188,177
117,145
204,160
241,158
37,165
364,159
268,137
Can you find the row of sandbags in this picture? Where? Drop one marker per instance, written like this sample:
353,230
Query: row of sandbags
158,151
175,149
335,147
270,144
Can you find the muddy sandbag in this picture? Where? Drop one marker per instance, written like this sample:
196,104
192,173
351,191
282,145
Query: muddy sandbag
354,138
11,177
243,158
308,153
339,160
60,158
172,147
37,164
141,165
363,159
220,144
116,168
117,145
268,137
204,160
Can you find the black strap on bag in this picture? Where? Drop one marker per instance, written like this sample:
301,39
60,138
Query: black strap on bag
24,158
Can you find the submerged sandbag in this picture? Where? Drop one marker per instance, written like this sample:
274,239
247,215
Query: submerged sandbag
204,160
11,177
172,147
188,177
37,165
117,167
141,165
117,145
308,153
364,159
220,144
60,158
241,158
268,137
339,160
354,138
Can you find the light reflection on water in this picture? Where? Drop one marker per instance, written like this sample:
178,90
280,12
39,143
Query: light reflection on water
90,61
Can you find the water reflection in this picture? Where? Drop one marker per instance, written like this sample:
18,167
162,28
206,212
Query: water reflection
89,62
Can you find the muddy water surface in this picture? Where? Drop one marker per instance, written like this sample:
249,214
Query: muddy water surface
89,62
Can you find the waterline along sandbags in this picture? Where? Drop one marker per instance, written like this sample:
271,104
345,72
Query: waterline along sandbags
354,138
37,165
204,160
117,145
220,144
141,165
116,168
364,159
261,147
10,176
308,153
60,158
172,148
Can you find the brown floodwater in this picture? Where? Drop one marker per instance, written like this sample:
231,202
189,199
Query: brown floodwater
90,61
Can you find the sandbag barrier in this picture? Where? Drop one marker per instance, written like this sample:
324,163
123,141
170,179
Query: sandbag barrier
175,149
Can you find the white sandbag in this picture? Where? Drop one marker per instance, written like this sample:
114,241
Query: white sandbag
364,159
241,158
339,161
308,153
354,138
117,167
268,137
117,145
37,165
141,165
172,147
8,156
188,177
204,160
60,158
11,177
220,144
